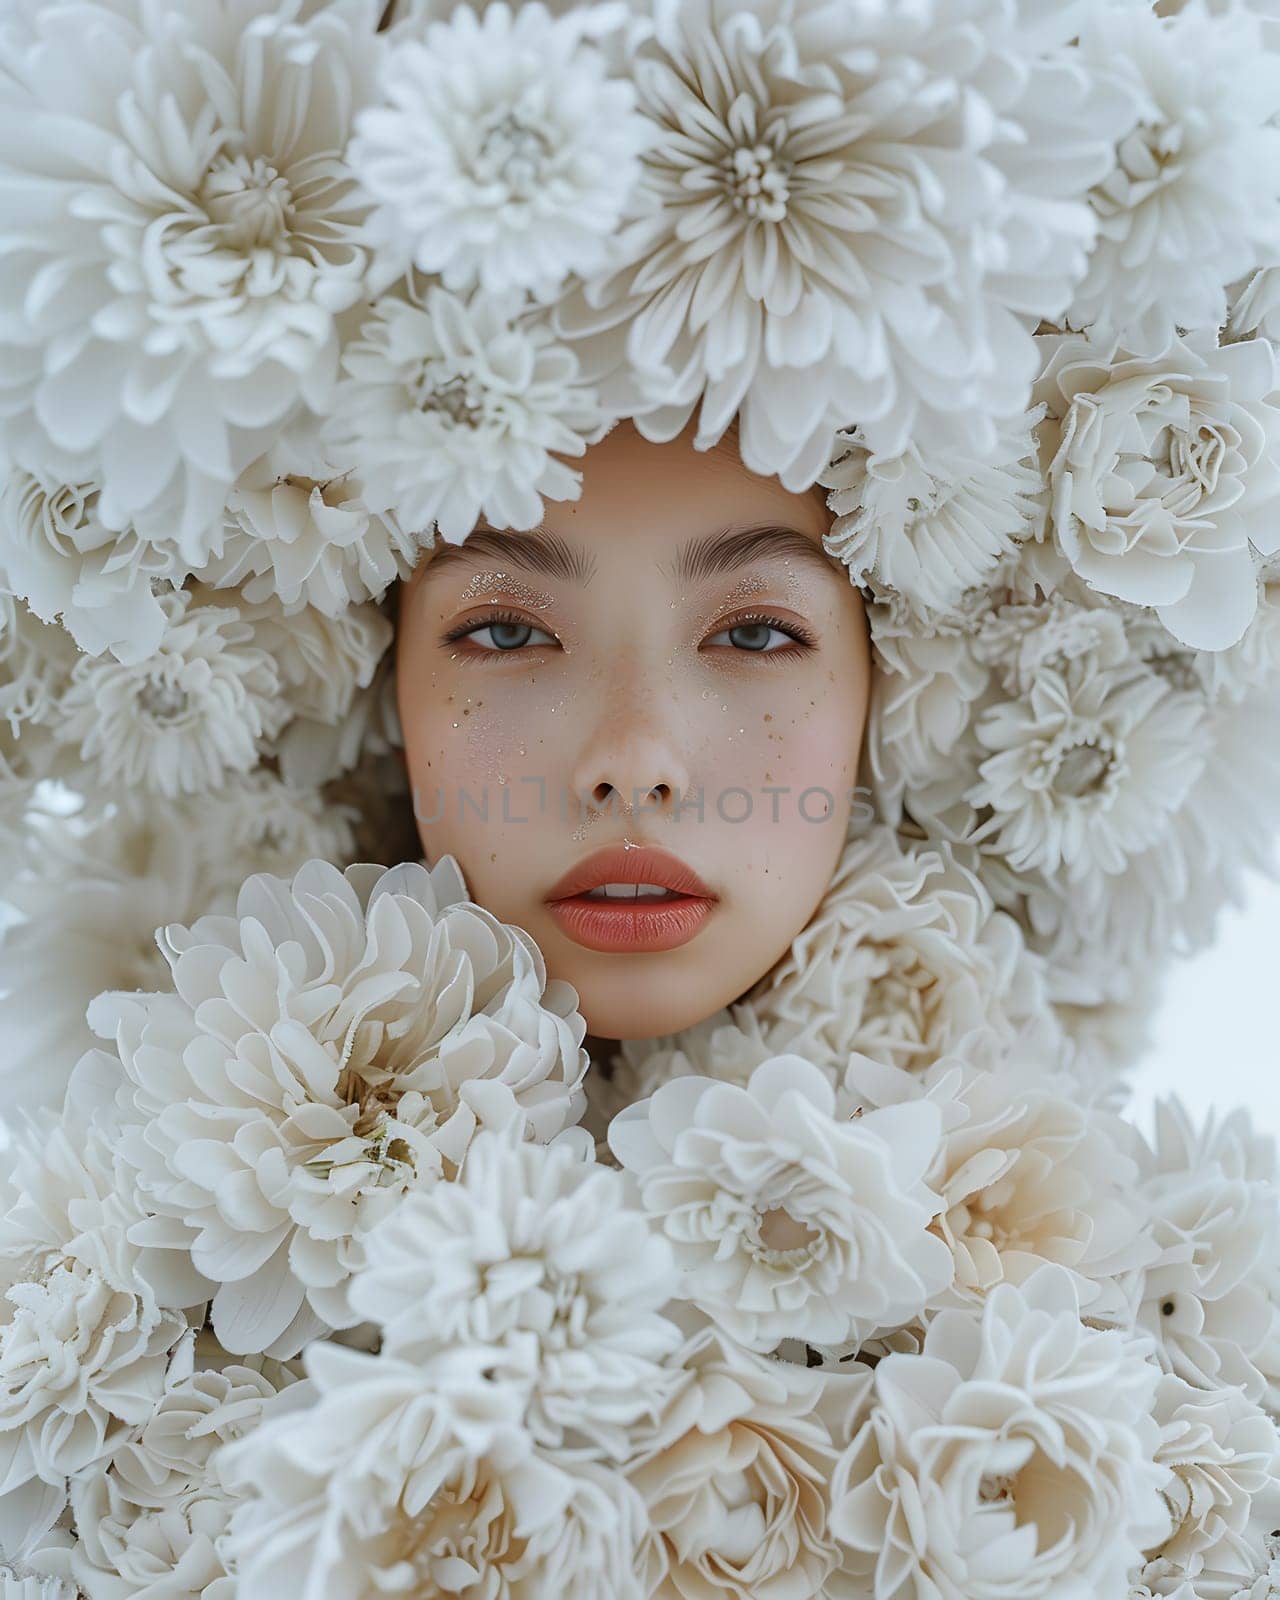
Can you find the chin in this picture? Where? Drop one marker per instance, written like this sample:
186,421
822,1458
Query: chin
645,1006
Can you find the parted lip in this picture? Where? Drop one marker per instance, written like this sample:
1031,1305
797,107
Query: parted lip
630,864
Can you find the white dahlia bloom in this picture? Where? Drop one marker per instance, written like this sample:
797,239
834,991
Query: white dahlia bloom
102,583
298,531
735,1474
419,1481
85,1341
327,1048
202,706
1211,1298
786,1220
1027,1175
925,525
1015,1454
1163,473
1224,1495
905,960
539,1256
1079,774
802,249
151,1524
502,153
1190,203
181,233
450,411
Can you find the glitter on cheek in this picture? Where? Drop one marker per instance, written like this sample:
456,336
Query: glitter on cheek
483,583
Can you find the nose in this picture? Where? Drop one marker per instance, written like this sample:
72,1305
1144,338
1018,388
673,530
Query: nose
632,756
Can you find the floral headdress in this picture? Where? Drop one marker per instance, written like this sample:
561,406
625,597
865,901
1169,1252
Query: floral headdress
324,1268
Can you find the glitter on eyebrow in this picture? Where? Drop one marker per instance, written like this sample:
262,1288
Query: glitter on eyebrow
535,599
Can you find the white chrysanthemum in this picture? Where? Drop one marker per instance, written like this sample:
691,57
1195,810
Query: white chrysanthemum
103,584
928,526
905,960
180,234
15,1585
1026,1175
151,1523
85,1341
787,1221
1015,1454
1209,1297
198,709
1225,1492
1163,474
1190,203
803,248
502,153
536,1255
413,1481
300,532
735,1472
450,411
36,661
1081,772
327,1048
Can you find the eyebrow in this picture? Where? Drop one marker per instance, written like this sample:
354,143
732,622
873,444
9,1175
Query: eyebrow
542,551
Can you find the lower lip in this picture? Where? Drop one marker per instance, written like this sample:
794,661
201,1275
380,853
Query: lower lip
623,925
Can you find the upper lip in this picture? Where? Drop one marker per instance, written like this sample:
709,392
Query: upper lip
630,864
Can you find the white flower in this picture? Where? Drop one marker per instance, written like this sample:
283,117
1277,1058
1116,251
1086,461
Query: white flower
502,153
198,709
905,960
928,525
1163,474
537,1255
1017,1449
1225,1456
421,1481
152,1522
102,583
1207,1299
1190,203
85,1340
803,249
735,1474
1082,771
1026,1175
31,1586
786,1221
299,532
158,329
330,1046
450,411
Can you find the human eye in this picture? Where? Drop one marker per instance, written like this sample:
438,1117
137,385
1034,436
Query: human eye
759,634
508,634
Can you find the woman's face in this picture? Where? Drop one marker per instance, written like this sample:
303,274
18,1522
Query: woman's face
670,667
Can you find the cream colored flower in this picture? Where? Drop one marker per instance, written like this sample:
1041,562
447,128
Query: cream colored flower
906,960
1163,473
540,1257
190,292
85,1339
454,409
1017,1449
735,1474
502,153
329,1047
794,227
419,1481
787,1220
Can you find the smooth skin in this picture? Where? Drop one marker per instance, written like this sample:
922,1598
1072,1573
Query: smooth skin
586,699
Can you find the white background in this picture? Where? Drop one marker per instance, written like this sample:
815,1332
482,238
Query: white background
1217,1033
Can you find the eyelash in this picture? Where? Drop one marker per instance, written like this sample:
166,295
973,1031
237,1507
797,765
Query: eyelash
804,639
